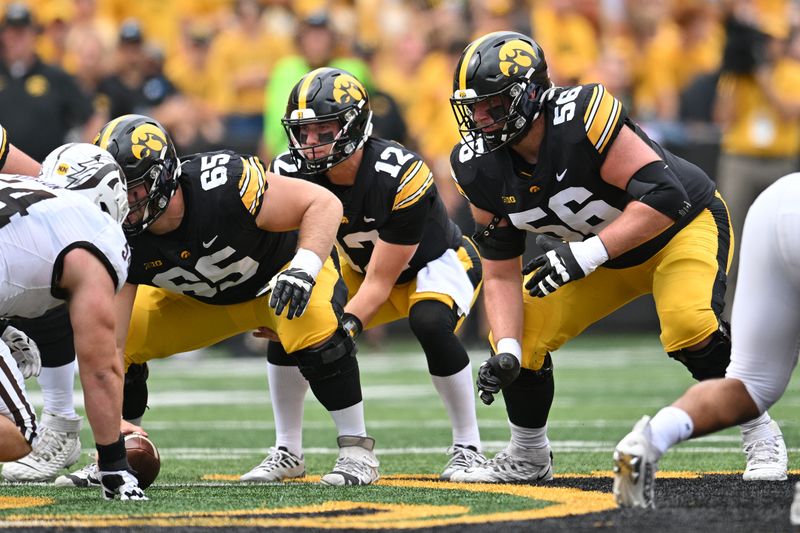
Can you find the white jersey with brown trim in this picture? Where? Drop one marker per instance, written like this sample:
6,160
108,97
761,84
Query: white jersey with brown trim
218,255
563,194
38,227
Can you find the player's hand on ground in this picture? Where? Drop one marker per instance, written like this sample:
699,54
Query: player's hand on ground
24,351
496,373
120,483
291,289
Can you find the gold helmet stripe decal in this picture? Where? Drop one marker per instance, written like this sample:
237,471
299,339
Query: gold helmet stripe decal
110,127
301,98
462,73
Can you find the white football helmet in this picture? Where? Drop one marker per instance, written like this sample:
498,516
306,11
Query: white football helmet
90,171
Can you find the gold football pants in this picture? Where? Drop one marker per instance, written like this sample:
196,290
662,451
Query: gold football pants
164,323
686,278
405,295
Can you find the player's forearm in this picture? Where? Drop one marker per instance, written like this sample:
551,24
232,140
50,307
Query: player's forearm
18,162
502,296
319,225
102,392
637,224
368,299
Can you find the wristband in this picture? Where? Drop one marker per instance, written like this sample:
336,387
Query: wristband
589,254
509,345
307,261
352,325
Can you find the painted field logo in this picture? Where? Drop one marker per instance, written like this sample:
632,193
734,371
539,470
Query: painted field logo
466,506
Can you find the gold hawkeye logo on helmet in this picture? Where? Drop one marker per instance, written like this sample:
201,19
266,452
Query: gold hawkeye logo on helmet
146,140
516,55
347,89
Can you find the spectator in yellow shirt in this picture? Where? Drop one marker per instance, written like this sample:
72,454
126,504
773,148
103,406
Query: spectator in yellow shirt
758,110
241,59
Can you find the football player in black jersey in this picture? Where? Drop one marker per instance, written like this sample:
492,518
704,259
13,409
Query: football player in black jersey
215,254
403,256
618,217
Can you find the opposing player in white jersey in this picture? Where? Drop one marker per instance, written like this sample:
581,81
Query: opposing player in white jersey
765,332
57,245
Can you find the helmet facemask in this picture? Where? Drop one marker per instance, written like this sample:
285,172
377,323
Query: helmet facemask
512,110
160,182
334,144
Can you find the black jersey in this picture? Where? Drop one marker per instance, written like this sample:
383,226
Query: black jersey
393,199
563,195
218,254
4,147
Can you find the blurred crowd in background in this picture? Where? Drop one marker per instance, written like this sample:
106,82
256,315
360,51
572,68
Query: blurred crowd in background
722,74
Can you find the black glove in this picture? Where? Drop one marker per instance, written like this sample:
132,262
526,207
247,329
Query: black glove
556,267
291,287
352,325
120,483
496,373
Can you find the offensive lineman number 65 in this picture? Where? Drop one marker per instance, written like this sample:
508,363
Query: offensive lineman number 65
212,170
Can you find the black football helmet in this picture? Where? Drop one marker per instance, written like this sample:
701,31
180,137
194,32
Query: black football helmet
145,152
326,95
510,68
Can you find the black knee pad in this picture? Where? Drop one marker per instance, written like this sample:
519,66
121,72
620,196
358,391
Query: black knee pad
134,394
434,324
328,360
529,398
277,355
712,361
52,333
332,371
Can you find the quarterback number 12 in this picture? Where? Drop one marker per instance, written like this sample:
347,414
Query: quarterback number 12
398,154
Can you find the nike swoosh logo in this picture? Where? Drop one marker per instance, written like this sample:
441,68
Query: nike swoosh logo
209,243
367,219
560,175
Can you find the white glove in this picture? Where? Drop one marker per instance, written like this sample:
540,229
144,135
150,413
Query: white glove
24,351
120,483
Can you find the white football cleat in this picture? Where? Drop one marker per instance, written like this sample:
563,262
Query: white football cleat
279,464
512,465
461,458
58,447
767,459
356,464
87,476
635,465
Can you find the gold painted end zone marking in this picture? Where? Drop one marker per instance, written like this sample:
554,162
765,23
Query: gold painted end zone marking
19,502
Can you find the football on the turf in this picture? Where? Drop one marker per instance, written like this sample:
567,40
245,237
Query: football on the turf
143,457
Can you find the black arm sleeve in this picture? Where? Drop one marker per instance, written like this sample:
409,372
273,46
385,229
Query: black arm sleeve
656,185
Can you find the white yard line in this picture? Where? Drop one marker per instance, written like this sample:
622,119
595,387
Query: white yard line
217,454
266,425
